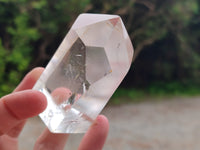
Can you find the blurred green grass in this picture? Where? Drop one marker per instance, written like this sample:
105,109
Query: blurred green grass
154,92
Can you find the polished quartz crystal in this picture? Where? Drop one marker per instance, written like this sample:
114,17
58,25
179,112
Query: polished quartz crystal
87,68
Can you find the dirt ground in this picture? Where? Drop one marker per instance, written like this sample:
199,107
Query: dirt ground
163,125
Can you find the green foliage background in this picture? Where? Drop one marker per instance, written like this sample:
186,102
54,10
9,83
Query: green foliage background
165,35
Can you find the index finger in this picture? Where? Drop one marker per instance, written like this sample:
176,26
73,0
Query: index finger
27,83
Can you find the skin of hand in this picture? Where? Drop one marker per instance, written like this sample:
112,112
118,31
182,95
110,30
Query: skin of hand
24,103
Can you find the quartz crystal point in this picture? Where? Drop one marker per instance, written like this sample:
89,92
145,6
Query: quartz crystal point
87,68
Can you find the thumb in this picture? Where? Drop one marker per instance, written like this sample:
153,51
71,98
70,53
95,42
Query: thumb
19,106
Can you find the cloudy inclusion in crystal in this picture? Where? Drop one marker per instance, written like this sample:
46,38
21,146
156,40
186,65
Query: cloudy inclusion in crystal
80,67
85,71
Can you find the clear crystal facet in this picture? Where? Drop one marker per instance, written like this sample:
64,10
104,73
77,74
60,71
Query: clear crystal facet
88,66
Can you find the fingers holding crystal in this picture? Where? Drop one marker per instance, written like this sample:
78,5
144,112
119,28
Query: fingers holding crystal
19,106
48,140
27,83
94,139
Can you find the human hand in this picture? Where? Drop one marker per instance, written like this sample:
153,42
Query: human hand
24,103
